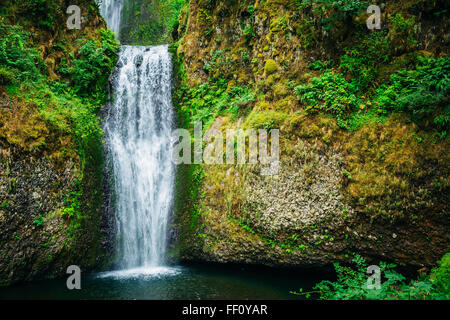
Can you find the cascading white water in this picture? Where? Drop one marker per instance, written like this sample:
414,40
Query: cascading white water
111,10
138,130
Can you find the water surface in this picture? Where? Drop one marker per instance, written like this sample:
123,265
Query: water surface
210,282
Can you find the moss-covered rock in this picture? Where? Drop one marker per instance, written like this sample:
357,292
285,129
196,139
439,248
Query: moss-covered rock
51,154
372,185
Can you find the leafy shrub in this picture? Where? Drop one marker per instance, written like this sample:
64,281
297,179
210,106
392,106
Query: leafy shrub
203,102
210,99
170,12
39,221
89,73
441,277
238,98
362,60
318,65
330,93
72,210
17,57
422,92
351,284
5,204
219,62
149,22
403,29
248,32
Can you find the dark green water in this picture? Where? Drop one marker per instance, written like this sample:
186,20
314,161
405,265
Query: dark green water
175,283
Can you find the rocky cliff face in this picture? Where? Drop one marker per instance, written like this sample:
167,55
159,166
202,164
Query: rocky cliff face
354,176
51,182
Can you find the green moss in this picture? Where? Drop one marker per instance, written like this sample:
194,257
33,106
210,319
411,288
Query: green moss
265,120
269,82
270,66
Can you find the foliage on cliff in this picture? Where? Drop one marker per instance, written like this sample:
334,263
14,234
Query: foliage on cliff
53,82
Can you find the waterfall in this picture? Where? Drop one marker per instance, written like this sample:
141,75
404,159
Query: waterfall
138,125
111,10
138,129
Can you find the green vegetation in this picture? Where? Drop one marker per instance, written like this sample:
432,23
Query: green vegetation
170,13
422,92
39,221
88,73
150,22
19,61
363,59
57,106
43,13
367,82
351,283
330,93
5,204
208,100
71,104
72,210
441,277
340,10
